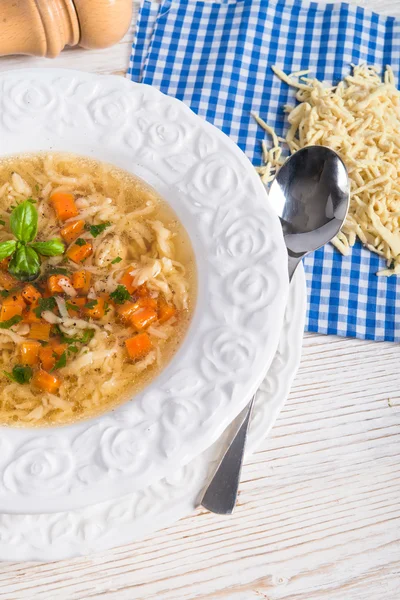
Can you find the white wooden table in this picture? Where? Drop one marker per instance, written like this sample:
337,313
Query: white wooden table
319,510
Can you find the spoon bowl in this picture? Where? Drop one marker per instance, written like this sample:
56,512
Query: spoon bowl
311,195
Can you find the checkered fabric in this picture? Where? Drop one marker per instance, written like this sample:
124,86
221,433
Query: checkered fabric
217,56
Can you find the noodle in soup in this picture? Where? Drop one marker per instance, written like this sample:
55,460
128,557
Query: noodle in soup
95,297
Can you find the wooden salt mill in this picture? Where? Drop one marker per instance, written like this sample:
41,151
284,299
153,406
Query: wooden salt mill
45,27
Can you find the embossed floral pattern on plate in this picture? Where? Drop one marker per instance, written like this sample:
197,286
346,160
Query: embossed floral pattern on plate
242,282
115,522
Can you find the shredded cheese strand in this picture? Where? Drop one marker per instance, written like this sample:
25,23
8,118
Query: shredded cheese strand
360,120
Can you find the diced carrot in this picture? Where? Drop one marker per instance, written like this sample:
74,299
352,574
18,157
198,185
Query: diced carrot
47,293
126,310
81,281
15,298
147,302
64,205
29,315
165,311
142,291
143,317
40,331
48,382
138,346
4,263
53,283
8,311
30,352
30,294
98,310
79,303
49,354
47,358
127,281
79,253
57,346
71,231
7,281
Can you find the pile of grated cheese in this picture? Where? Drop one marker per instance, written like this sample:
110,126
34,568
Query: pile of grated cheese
360,119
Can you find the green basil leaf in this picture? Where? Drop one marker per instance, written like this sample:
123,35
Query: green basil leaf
24,221
10,322
53,247
20,373
25,264
7,248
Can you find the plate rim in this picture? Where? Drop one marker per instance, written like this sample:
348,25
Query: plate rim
65,489
94,534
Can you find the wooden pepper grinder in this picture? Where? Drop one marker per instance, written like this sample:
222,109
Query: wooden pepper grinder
45,27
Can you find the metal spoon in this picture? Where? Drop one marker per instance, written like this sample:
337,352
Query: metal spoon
311,195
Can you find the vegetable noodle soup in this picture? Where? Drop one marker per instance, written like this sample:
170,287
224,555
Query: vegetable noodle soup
97,282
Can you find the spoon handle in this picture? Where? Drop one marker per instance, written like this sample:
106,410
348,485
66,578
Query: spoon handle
221,493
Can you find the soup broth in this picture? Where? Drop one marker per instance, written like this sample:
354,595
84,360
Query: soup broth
96,298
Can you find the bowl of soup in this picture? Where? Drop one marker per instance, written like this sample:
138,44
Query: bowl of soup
143,282
108,299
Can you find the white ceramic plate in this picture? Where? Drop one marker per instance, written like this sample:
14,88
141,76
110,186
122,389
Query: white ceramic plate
56,536
242,284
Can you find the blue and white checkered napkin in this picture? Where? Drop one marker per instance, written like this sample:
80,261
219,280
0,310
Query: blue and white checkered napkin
217,57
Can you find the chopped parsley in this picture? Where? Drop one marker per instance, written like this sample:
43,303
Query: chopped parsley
116,260
62,361
72,306
80,242
2,222
7,293
72,349
66,339
87,336
96,230
20,373
45,304
37,188
120,295
13,321
91,304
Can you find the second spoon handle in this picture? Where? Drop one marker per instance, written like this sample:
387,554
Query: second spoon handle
221,494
